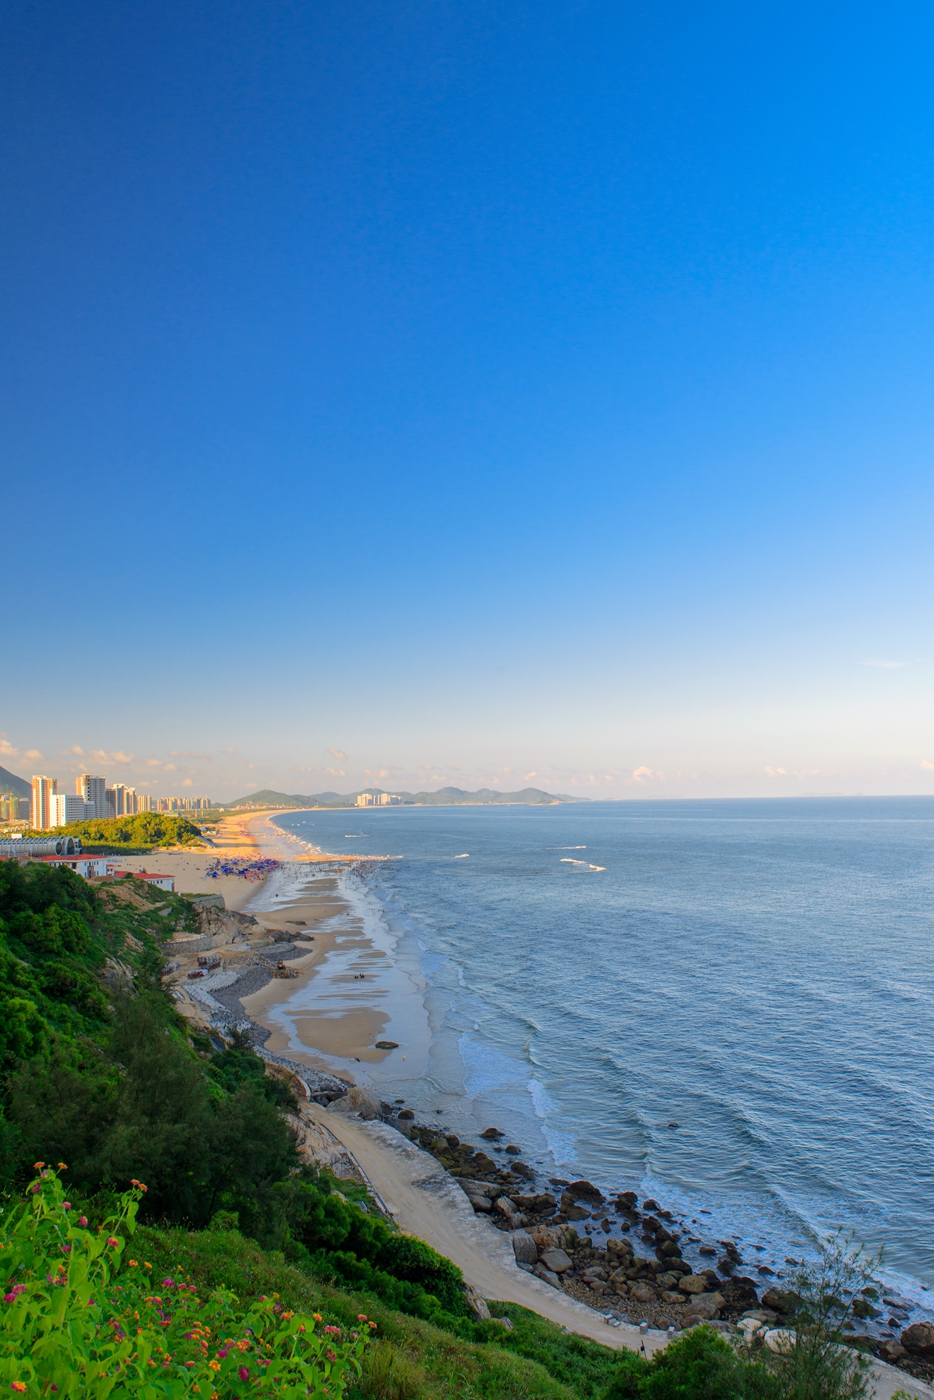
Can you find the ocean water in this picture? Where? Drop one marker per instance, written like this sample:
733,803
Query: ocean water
726,1005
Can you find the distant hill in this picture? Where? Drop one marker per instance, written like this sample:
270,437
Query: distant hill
9,782
444,797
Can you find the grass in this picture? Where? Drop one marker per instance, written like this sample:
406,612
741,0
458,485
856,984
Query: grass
413,1360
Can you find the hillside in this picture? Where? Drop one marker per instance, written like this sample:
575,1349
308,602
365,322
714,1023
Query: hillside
9,782
140,833
444,797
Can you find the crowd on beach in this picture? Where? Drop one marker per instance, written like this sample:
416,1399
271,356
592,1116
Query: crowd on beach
247,869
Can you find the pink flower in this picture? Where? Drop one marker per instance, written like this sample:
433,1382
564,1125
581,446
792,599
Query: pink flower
243,1373
112,1241
66,1205
331,1355
82,1220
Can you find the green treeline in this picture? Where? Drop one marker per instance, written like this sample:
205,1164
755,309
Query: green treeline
146,830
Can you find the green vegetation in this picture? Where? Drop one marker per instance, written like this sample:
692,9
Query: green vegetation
145,832
81,1320
100,1071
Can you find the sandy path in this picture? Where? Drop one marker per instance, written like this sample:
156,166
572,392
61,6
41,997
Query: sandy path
426,1202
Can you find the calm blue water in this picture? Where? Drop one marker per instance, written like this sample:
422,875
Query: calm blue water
758,973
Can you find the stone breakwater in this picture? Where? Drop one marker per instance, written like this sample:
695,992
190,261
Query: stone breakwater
626,1259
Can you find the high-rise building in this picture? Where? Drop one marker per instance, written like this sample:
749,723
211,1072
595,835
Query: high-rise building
143,802
9,807
94,791
65,808
40,814
124,800
378,799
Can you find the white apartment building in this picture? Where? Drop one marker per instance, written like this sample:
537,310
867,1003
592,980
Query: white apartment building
378,799
65,808
125,800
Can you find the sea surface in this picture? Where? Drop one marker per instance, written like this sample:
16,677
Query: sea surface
727,1005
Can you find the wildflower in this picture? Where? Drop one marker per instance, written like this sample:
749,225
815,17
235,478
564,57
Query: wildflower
214,1365
317,1317
371,1324
361,1317
146,1265
66,1248
331,1355
37,1167
19,1386
332,1331
82,1220
112,1241
133,1264
168,1283
243,1373
287,1316
66,1205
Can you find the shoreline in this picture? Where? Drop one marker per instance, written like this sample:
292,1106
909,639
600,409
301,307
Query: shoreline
329,927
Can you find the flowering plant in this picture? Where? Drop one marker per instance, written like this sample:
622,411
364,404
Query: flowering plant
79,1319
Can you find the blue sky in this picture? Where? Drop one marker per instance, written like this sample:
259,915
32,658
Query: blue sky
471,391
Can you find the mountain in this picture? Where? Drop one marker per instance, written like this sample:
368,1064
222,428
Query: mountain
444,797
9,782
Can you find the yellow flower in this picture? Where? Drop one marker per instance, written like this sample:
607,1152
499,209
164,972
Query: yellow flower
214,1365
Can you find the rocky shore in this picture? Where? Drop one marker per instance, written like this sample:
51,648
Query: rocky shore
625,1258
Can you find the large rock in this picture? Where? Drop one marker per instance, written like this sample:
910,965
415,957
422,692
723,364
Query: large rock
357,1100
546,1275
476,1303
553,1236
693,1283
557,1261
780,1301
740,1292
703,1307
585,1191
642,1292
919,1339
524,1248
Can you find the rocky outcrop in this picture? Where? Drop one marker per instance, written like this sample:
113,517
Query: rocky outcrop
918,1340
357,1100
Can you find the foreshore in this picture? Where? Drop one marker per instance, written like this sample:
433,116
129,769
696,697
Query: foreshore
349,1024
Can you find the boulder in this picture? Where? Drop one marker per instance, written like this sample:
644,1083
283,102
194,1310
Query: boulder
481,1204
546,1276
780,1301
740,1292
585,1191
524,1247
476,1303
406,1115
891,1351
491,1133
577,1213
918,1339
357,1100
556,1261
642,1292
553,1236
693,1284
703,1307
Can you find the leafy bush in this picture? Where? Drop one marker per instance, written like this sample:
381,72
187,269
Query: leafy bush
700,1365
73,1322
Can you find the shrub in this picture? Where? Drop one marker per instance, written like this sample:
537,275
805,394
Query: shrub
700,1365
74,1323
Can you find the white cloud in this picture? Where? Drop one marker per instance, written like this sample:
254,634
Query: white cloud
777,772
642,774
889,665
533,774
117,757
338,754
32,753
6,748
925,763
187,782
336,772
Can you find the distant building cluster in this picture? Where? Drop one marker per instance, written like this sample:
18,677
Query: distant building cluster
378,799
92,800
